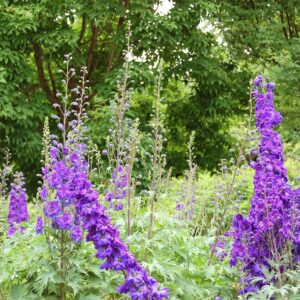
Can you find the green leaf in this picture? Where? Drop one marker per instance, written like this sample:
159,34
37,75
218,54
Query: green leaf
17,292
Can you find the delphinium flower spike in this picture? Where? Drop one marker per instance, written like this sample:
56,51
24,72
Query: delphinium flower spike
17,206
107,241
72,204
264,234
69,180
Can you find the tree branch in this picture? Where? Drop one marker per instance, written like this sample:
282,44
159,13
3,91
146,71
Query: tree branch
82,32
121,21
114,45
289,24
283,25
51,78
92,47
38,56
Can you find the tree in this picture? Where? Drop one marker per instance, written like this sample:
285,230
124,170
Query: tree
264,37
35,36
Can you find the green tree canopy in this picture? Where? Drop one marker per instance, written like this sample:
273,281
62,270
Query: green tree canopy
205,81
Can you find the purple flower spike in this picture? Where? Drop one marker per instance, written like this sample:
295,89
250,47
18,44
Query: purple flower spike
274,219
109,245
17,206
69,185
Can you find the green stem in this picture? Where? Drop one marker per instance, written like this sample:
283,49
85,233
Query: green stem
2,295
62,267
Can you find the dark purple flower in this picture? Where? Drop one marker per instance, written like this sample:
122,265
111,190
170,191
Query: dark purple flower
258,81
74,157
274,210
237,220
109,196
65,150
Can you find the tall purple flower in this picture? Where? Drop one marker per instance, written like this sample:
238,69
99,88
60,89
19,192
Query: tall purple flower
58,175
73,204
270,225
17,206
76,207
108,243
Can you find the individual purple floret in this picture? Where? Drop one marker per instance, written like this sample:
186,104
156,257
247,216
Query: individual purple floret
273,220
17,206
39,225
52,209
76,234
65,221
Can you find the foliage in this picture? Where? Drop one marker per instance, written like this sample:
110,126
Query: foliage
177,259
36,35
289,290
31,273
264,37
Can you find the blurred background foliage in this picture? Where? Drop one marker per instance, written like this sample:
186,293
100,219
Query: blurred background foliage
210,51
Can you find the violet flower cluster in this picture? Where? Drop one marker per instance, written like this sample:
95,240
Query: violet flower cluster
119,188
18,212
272,222
58,176
76,208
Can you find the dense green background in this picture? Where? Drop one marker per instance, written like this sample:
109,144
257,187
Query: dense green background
206,70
